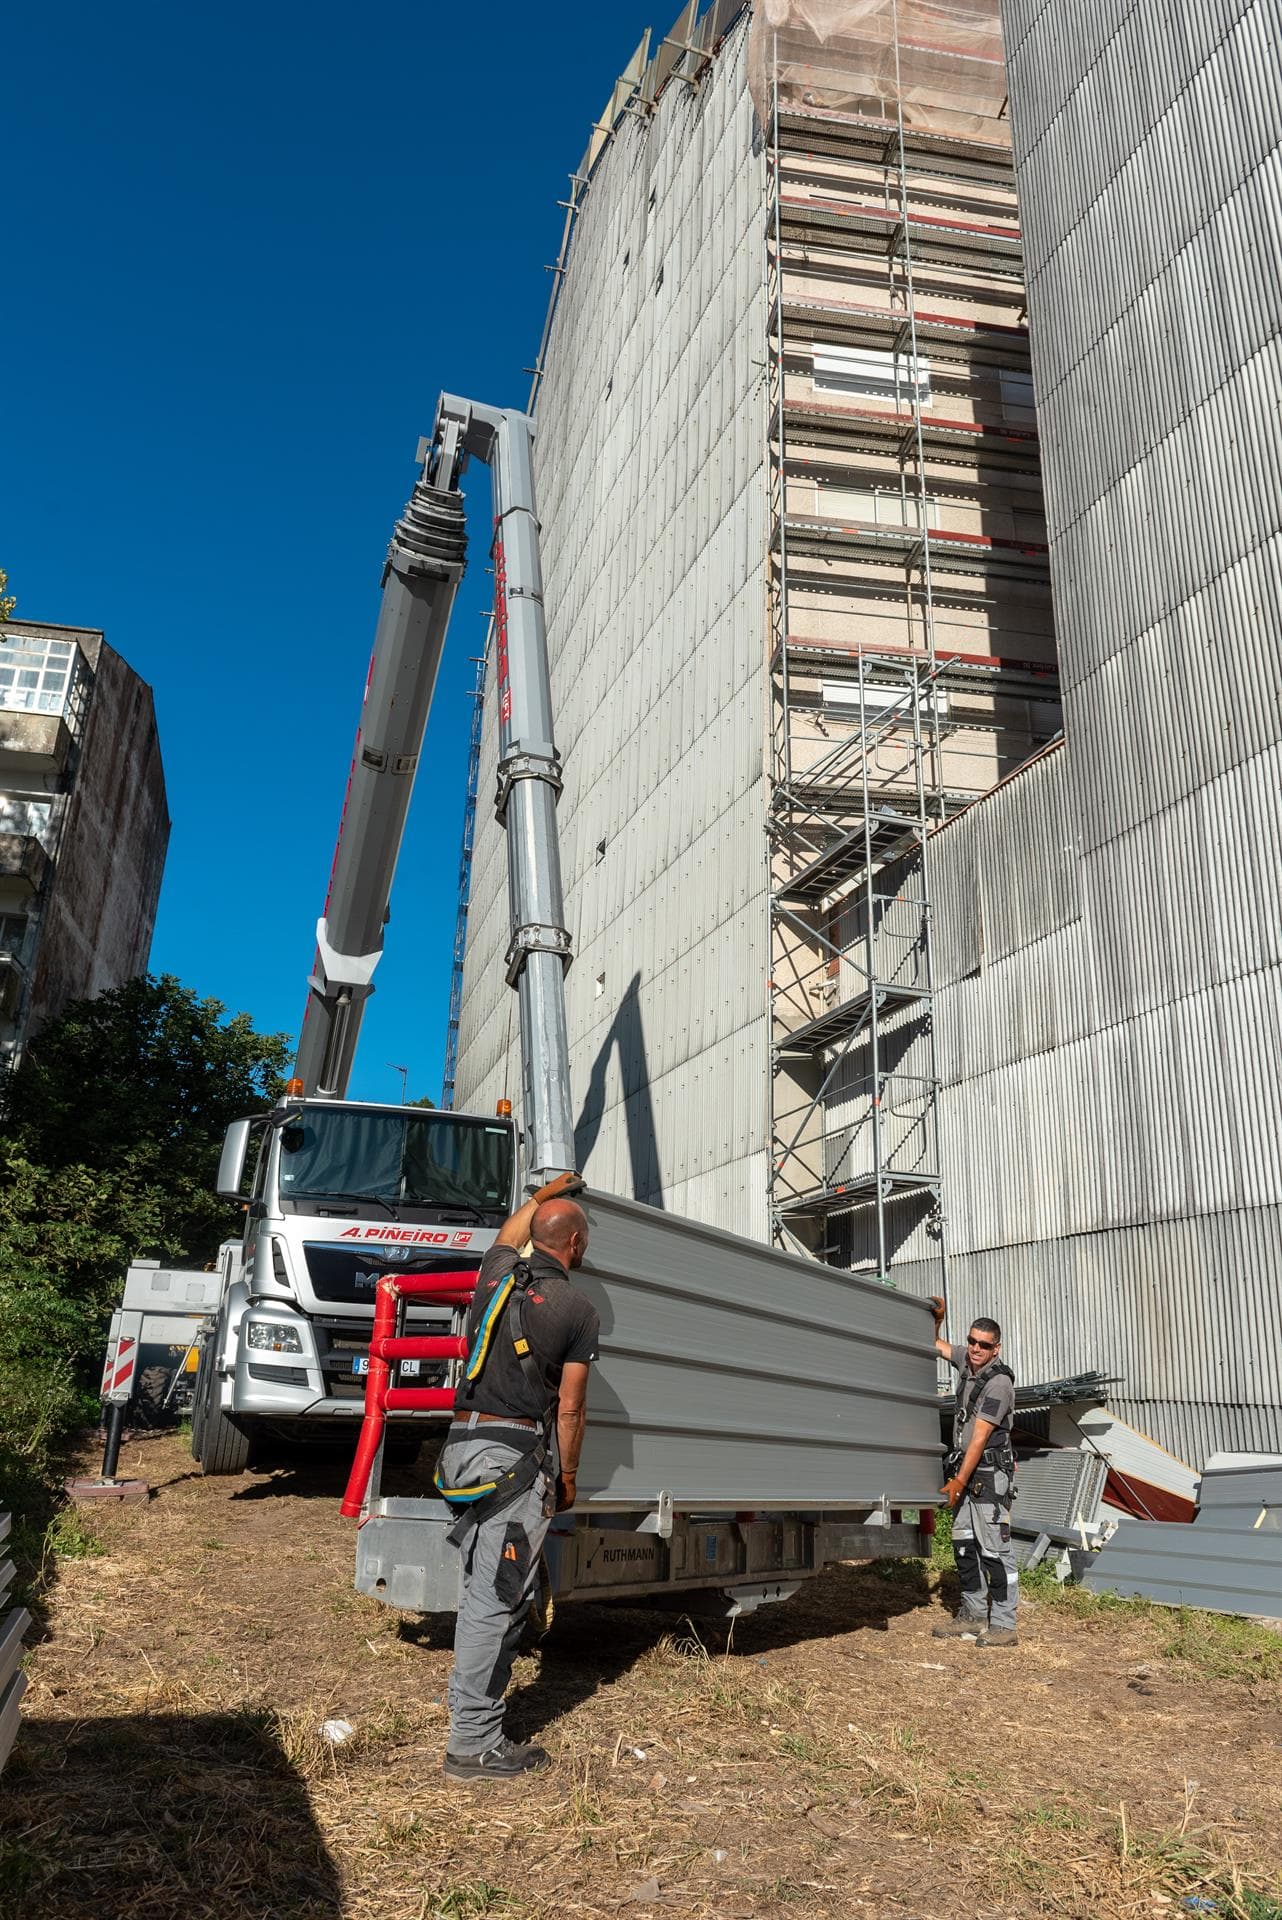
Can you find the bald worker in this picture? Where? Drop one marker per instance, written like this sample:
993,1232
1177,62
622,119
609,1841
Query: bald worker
510,1459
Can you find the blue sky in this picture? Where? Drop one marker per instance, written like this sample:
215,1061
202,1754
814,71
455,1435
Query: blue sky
244,248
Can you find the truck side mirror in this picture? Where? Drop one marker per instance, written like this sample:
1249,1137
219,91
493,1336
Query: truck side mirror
231,1167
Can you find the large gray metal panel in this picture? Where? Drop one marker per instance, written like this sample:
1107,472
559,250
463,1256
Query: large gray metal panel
734,1376
1225,1569
1241,1496
13,1684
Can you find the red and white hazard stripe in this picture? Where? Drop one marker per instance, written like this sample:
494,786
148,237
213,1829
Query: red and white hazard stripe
120,1365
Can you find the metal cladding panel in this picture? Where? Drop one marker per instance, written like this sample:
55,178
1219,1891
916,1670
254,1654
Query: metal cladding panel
649,457
13,1625
1058,1487
1225,1569
1249,1496
1181,1311
1108,923
736,1377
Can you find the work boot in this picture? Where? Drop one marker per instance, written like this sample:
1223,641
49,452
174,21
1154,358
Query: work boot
998,1637
959,1629
503,1761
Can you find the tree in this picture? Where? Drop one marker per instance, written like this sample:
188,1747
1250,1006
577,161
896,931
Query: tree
7,601
114,1123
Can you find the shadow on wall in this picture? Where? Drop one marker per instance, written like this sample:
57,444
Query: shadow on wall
627,1034
145,1812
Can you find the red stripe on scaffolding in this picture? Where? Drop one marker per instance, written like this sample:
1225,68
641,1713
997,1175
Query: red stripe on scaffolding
996,662
892,218
385,1347
925,316
895,417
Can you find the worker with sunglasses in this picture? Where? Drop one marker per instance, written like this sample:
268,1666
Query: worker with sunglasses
980,1487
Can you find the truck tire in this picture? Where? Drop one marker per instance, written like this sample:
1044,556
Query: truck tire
219,1446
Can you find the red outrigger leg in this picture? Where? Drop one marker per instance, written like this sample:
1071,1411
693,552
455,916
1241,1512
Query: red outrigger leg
386,1345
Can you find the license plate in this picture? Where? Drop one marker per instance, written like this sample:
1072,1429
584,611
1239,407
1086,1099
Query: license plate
409,1369
360,1363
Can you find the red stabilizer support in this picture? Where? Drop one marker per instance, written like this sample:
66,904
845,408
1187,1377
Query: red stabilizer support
452,1289
418,1399
422,1346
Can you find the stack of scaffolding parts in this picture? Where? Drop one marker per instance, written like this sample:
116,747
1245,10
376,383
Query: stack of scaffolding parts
912,649
1228,1559
13,1624
752,1417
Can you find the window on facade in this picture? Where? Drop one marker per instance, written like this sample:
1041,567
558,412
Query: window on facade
36,675
1017,398
13,933
844,694
872,374
31,818
878,506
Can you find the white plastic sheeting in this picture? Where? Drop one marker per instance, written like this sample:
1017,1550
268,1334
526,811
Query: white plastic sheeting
942,59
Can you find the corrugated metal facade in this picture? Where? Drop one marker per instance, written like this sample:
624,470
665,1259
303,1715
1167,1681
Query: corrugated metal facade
1108,923
652,501
1111,921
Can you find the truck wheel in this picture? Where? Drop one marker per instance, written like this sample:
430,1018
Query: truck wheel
221,1447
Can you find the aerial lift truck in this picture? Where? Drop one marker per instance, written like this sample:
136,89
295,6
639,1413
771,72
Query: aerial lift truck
754,1415
337,1192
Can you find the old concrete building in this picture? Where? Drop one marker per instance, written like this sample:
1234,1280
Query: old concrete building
84,823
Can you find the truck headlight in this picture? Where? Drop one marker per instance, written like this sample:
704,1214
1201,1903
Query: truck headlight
273,1336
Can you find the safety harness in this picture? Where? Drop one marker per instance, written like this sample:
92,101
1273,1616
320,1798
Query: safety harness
994,1475
488,1497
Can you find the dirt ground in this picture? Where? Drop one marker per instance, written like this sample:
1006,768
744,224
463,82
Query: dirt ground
834,1760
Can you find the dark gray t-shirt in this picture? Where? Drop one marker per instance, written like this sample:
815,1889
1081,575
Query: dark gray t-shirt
981,1396
560,1324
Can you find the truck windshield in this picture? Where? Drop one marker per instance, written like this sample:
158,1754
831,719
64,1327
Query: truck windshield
421,1159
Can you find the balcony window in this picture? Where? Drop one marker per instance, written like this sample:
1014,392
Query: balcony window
872,374
29,817
37,675
13,934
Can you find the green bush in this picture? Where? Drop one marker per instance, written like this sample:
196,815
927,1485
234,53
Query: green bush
46,1344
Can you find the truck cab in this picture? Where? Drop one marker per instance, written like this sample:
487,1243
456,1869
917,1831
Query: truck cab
340,1192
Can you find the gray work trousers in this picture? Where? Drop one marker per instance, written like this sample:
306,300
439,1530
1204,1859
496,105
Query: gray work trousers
500,1577
985,1562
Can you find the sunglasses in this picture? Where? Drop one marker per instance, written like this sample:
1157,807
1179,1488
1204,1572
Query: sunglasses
986,1345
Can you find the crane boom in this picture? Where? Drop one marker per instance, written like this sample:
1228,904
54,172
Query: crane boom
424,565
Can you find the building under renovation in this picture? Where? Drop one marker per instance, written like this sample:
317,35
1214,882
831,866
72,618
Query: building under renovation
84,823
881,950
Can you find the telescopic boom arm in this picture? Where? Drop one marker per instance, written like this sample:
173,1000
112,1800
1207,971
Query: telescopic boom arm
423,569
424,566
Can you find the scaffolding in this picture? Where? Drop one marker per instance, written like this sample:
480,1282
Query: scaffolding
887,559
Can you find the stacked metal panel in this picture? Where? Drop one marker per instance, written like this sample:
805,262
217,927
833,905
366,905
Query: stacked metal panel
1112,918
1058,1489
13,1624
649,469
1229,1558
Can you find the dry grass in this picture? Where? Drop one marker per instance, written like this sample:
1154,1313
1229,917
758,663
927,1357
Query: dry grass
835,1761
